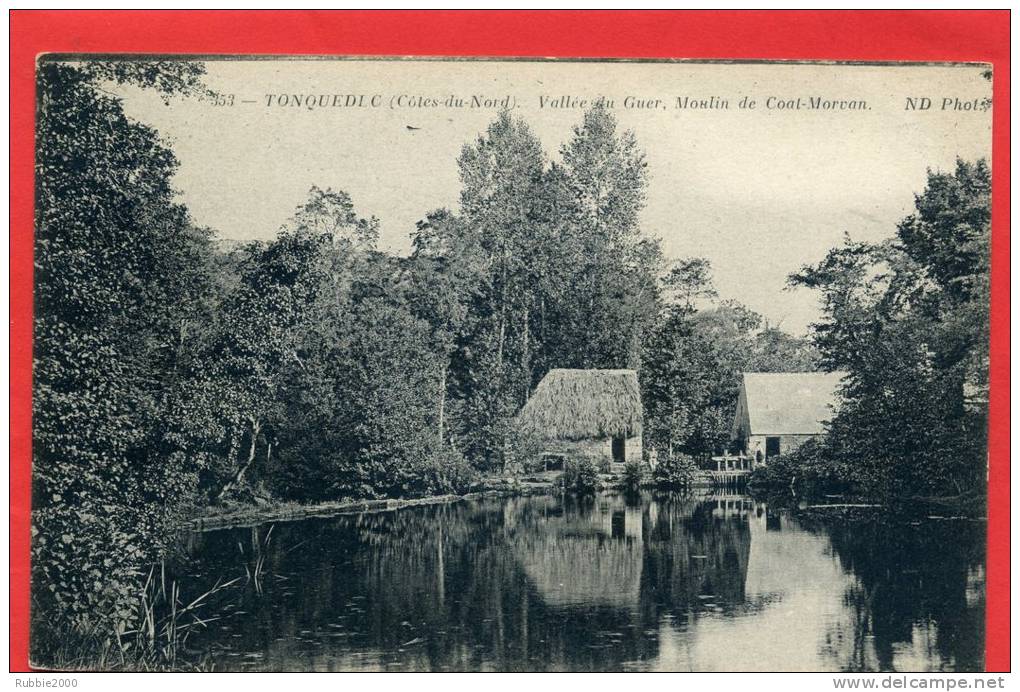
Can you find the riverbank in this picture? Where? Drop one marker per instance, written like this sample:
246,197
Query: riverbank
966,506
237,515
242,515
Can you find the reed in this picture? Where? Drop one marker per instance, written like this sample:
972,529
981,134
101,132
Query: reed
165,622
255,568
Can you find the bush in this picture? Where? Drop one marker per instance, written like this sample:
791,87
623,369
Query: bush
777,474
808,464
632,476
522,451
678,471
307,471
580,476
448,472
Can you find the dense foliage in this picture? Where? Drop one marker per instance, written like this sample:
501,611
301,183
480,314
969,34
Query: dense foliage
122,281
676,471
173,370
633,473
908,320
808,467
580,476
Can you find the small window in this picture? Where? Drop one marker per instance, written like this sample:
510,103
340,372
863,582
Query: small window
771,446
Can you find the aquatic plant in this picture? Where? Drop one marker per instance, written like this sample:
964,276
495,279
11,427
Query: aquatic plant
255,571
165,622
161,622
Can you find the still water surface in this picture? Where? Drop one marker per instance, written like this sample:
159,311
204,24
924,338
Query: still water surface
720,582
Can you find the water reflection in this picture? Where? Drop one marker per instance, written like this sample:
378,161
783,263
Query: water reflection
659,582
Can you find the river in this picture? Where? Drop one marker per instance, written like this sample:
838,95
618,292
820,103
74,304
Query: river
655,582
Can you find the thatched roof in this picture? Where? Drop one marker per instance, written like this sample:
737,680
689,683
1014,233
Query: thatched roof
791,403
584,404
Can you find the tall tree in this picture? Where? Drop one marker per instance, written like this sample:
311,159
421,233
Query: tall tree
283,323
501,175
441,279
616,267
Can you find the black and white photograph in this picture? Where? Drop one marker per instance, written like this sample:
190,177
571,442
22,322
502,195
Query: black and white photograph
411,364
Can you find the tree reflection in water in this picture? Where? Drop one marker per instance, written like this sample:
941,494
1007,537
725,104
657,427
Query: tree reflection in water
667,582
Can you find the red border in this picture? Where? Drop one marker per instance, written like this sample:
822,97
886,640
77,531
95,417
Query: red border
950,35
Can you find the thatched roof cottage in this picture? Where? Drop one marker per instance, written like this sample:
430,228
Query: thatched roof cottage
779,411
587,413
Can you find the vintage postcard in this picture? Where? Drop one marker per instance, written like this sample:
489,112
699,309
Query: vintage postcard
356,364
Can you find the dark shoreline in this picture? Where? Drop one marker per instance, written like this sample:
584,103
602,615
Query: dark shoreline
963,507
253,515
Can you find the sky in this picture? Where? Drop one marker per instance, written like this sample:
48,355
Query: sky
758,191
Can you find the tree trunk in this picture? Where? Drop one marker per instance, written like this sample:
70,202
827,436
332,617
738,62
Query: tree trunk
502,315
502,331
442,400
235,443
239,476
527,355
541,316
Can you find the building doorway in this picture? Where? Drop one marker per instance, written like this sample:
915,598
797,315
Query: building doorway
771,447
619,450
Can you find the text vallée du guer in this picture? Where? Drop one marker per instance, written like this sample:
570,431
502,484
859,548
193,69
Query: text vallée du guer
368,101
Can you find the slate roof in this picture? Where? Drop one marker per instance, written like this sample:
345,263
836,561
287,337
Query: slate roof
790,403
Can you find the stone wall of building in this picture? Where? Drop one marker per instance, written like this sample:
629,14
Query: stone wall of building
787,443
598,450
